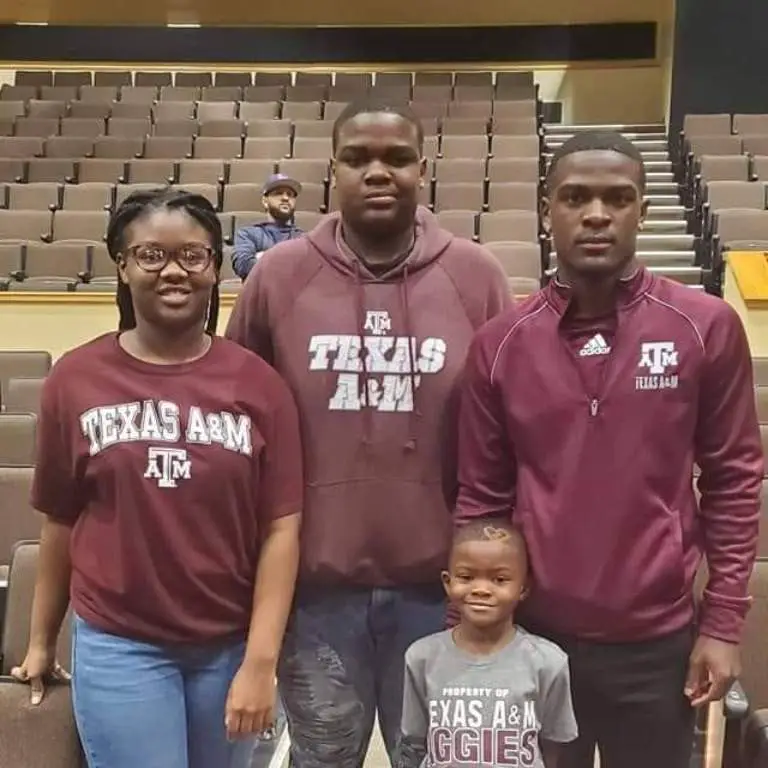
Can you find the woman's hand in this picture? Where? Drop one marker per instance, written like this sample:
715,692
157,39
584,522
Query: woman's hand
38,668
250,707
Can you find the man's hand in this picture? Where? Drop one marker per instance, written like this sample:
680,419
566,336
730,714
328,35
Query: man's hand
713,666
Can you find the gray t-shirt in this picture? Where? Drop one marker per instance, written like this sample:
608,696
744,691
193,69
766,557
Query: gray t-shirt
461,709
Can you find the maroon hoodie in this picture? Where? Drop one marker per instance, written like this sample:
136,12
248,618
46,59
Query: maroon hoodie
591,448
373,363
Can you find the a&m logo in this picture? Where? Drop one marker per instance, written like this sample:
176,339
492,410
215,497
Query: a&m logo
659,361
377,323
167,466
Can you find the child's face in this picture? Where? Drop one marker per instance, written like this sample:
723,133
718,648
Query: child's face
486,580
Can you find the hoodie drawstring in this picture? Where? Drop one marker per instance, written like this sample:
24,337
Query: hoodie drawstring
362,372
414,414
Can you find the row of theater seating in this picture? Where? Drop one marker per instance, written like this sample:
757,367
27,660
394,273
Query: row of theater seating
262,93
84,265
79,159
52,740
201,79
178,119
133,141
445,195
17,173
723,169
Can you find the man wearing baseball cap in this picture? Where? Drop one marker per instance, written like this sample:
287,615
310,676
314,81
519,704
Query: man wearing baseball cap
279,200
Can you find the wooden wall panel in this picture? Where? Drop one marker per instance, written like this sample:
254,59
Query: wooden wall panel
333,12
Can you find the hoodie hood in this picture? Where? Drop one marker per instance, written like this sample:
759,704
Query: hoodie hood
430,241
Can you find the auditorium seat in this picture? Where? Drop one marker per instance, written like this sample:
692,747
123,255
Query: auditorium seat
504,226
755,145
18,520
17,439
519,259
462,223
252,169
23,364
110,77
227,127
22,395
55,266
459,196
737,228
267,129
131,110
150,171
35,196
724,168
746,708
268,110
515,195
33,737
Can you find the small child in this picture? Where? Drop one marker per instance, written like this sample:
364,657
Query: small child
486,693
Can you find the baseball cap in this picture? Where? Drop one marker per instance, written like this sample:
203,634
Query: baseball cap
280,180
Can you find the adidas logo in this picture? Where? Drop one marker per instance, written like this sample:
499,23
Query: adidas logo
595,346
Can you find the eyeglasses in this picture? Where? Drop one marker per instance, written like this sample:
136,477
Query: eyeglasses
193,259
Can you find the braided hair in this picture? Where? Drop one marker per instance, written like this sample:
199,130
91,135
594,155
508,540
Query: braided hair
140,204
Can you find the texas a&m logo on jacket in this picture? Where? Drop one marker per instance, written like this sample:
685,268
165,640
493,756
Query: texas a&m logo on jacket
378,370
658,362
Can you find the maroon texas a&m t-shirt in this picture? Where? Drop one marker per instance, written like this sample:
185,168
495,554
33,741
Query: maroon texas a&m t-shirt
169,474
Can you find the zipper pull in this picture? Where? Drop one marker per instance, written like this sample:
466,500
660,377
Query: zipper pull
594,406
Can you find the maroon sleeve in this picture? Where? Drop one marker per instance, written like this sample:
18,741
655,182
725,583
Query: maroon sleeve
248,324
281,481
486,460
729,453
56,490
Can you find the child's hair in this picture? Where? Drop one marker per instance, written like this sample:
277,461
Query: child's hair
492,529
144,202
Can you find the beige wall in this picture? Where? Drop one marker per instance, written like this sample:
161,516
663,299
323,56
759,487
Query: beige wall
595,94
42,322
755,320
58,326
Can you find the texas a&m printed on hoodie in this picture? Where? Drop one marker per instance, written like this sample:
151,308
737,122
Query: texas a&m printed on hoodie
373,363
587,437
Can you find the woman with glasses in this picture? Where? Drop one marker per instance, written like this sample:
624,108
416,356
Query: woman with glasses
169,474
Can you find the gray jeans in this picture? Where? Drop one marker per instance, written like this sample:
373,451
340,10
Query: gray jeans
343,664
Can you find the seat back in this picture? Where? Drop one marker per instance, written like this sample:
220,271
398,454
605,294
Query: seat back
18,609
46,735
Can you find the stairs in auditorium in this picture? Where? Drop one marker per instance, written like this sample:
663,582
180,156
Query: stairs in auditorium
665,244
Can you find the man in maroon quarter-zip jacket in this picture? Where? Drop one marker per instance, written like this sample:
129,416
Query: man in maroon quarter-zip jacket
583,412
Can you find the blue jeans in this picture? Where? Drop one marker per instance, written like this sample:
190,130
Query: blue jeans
342,663
140,705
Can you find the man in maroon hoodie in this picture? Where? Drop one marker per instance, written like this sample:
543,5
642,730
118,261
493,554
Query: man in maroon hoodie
369,319
583,412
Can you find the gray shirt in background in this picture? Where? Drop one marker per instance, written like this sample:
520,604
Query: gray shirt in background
461,709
